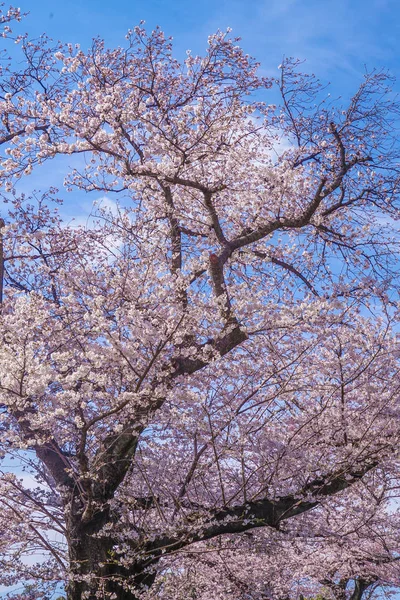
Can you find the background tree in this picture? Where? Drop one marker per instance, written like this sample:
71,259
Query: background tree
219,355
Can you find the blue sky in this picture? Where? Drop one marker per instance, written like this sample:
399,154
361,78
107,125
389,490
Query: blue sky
336,37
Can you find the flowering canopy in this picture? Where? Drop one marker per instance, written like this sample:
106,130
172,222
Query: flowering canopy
206,380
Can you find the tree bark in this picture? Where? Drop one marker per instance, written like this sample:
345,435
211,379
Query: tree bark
95,570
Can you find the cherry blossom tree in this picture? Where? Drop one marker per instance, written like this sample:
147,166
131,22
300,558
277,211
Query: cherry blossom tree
213,366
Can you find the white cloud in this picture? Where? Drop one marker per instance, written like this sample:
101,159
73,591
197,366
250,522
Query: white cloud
87,213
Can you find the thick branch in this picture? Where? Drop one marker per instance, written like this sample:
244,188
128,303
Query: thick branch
260,513
288,267
175,231
361,584
115,459
214,218
49,452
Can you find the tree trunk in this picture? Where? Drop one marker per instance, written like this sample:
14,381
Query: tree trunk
92,559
